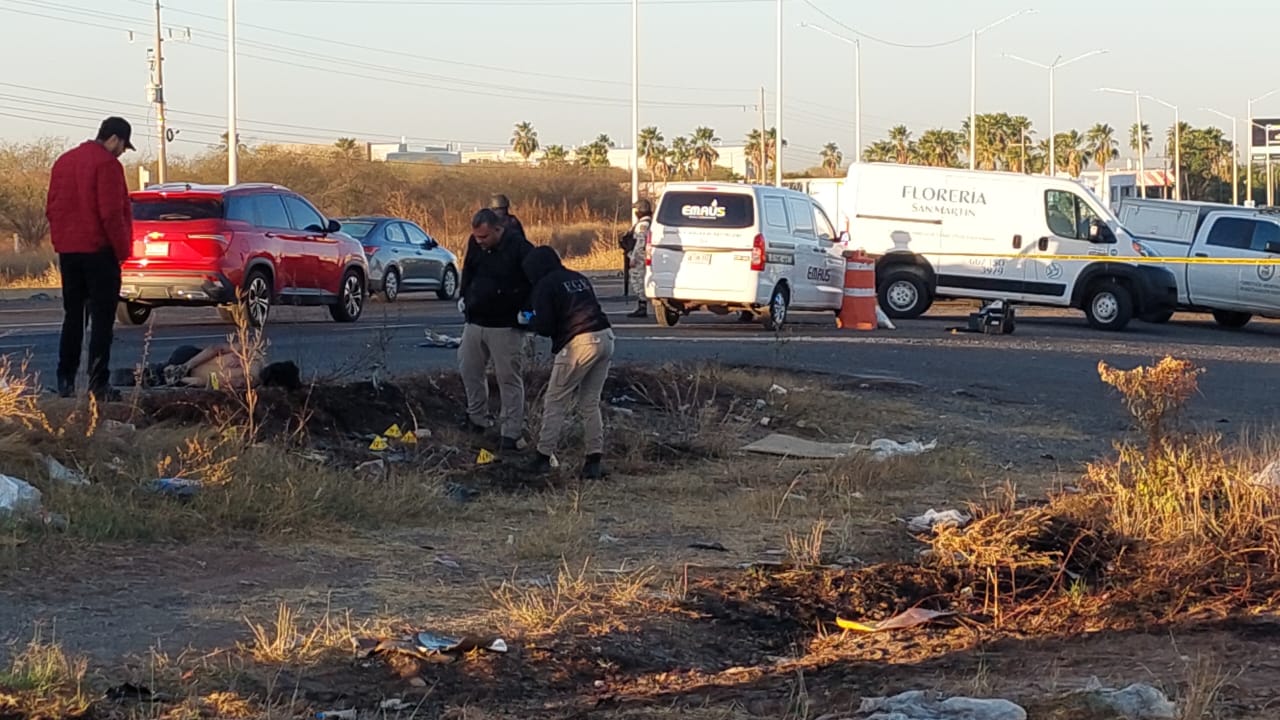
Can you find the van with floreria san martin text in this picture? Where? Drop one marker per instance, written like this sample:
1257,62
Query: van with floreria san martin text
940,233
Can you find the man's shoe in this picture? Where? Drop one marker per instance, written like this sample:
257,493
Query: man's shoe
66,389
507,444
642,310
539,465
593,468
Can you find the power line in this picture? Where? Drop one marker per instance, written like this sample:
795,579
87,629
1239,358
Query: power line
523,3
428,58
882,41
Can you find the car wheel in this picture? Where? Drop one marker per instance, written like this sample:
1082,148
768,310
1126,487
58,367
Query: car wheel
1230,319
128,313
448,285
391,285
904,293
666,315
350,298
775,318
257,296
1158,318
1108,306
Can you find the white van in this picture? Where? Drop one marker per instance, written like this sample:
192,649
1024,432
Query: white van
943,233
754,250
1233,293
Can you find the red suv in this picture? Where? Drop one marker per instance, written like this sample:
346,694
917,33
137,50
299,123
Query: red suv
197,245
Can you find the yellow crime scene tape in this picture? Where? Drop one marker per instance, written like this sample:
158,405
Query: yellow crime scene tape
1113,258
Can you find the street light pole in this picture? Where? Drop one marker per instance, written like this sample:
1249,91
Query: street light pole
1249,119
973,83
635,102
777,141
1235,154
1177,145
857,80
1138,136
1052,67
233,144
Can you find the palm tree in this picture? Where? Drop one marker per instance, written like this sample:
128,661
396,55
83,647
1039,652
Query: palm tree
1019,132
770,151
900,136
1102,146
681,157
1071,152
524,140
881,151
596,153
348,148
222,143
831,158
648,143
939,147
1146,139
704,151
555,156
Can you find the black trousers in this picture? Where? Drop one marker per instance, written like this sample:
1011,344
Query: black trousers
90,292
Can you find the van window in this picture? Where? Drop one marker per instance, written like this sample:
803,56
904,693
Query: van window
825,230
775,213
1068,215
1231,232
801,216
707,209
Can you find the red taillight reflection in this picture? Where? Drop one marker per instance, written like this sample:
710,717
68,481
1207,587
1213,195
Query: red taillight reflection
757,253
209,246
369,250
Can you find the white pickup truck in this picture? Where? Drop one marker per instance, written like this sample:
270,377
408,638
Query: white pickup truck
1232,293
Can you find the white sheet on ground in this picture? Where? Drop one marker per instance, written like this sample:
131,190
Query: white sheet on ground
18,497
791,446
934,519
919,705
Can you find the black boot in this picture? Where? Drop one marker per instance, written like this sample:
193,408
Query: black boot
593,468
642,310
539,465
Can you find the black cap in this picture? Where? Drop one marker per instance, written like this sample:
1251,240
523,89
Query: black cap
118,127
499,202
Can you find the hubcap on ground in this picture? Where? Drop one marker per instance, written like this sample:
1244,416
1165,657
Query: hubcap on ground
1105,306
902,295
352,296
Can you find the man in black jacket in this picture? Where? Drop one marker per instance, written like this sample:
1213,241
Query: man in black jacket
500,205
494,293
565,309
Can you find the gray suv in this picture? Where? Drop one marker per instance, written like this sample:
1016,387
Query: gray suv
403,257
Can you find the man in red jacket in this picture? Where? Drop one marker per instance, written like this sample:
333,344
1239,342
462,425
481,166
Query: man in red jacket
91,222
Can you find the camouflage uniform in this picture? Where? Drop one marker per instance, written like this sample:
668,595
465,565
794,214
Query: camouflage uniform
640,231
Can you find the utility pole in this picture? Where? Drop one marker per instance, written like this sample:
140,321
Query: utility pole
777,141
635,102
157,97
233,134
764,153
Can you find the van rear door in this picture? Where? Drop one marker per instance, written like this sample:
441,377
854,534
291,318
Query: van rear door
702,244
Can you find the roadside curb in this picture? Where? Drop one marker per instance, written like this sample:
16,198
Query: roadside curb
36,294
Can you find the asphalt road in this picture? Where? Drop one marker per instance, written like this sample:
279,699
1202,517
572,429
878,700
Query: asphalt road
1050,361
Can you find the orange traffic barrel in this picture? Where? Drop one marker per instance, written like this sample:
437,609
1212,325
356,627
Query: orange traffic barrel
858,310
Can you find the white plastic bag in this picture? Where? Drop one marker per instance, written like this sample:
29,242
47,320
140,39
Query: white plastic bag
18,497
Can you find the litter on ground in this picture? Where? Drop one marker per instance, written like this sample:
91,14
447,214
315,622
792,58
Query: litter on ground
183,488
908,619
919,705
1135,702
791,446
63,474
428,645
437,340
932,519
18,497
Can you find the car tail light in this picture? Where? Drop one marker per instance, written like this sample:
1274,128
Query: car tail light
648,250
757,254
369,250
212,246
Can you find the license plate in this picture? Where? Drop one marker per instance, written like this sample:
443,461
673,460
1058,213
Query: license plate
157,249
698,258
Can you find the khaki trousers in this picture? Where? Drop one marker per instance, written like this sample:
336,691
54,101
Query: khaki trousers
506,347
579,372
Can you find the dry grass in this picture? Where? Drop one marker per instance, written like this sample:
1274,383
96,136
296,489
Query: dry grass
42,680
29,270
287,640
574,597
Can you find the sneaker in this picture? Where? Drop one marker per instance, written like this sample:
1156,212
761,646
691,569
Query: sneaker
539,465
593,468
507,444
66,389
474,427
641,310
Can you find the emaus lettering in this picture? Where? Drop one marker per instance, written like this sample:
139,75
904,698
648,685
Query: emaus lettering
704,212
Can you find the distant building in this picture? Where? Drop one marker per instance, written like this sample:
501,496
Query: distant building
402,152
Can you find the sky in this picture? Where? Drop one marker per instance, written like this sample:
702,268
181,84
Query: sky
465,71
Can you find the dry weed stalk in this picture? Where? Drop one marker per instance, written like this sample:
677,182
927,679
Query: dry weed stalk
20,396
806,550
286,641
573,597
41,680
1154,395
